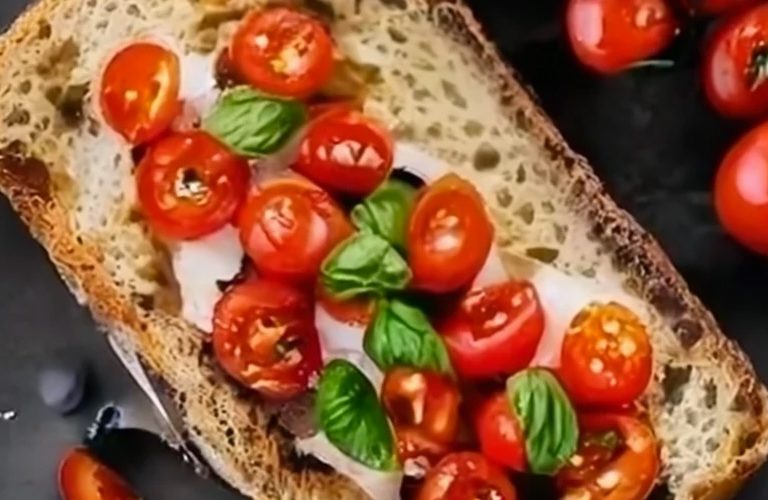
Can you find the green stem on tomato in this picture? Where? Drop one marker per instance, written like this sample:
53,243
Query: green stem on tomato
757,71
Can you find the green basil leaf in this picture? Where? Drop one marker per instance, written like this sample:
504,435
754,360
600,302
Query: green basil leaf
364,264
348,411
547,418
401,335
252,123
386,212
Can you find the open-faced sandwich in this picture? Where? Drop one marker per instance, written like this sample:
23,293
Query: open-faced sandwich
360,259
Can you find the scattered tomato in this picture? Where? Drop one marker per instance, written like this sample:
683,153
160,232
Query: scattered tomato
611,35
140,91
715,7
355,311
449,236
466,476
282,51
500,433
264,336
606,357
82,477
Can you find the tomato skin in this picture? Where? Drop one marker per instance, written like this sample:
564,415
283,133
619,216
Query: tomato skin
355,311
735,66
610,35
288,226
466,476
82,477
741,190
336,148
480,345
135,109
633,466
190,185
264,337
283,52
500,433
607,357
449,235
715,7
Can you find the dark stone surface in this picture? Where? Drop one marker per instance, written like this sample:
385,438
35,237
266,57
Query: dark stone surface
648,133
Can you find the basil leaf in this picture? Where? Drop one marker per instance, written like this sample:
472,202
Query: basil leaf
386,212
401,335
254,124
364,264
547,418
348,411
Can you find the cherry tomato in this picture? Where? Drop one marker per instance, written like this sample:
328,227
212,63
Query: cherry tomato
618,459
264,337
190,185
345,152
449,236
735,69
424,408
140,91
82,477
282,51
288,226
611,35
466,476
606,356
741,190
495,330
355,311
500,434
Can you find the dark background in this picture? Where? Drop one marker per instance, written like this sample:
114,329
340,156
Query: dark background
648,133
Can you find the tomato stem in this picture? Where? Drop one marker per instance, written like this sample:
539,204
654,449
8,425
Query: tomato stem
757,71
652,63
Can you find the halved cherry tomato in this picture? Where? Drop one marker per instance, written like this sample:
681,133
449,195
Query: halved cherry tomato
735,69
355,311
500,434
618,459
264,336
449,236
466,476
495,330
140,91
611,35
190,185
714,7
345,152
606,357
282,51
741,190
288,226
424,408
82,477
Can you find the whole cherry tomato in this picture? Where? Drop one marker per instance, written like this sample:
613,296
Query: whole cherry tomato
82,477
466,476
500,433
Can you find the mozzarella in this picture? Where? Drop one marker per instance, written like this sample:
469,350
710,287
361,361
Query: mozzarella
416,161
197,76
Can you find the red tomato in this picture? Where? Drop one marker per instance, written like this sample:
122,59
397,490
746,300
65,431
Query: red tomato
449,236
611,35
355,311
714,7
466,476
495,330
741,190
424,408
282,51
618,459
264,337
500,434
606,357
82,477
288,226
140,91
345,152
735,69
190,185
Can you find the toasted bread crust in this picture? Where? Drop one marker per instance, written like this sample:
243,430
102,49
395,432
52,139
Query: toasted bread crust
28,186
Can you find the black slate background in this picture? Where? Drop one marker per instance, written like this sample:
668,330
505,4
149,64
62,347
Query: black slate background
649,135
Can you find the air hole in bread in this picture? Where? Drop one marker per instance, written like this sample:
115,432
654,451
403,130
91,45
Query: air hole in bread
673,383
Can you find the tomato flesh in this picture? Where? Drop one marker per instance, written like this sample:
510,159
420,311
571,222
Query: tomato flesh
140,91
500,434
82,477
610,35
449,235
495,331
264,337
606,357
282,51
466,476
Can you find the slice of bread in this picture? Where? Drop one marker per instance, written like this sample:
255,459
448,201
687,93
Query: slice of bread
443,87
